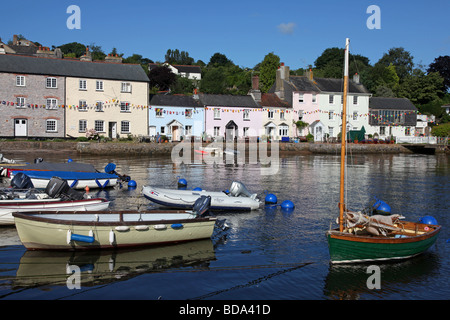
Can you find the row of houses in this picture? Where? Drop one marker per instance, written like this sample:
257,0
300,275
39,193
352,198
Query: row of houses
49,97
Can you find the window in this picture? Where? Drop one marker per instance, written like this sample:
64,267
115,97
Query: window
300,114
82,125
342,99
20,81
314,98
246,115
82,85
300,98
355,100
330,115
159,112
331,99
355,115
163,129
99,85
125,87
51,83
125,126
99,125
124,107
99,106
382,131
20,102
330,131
188,113
51,104
283,131
188,130
245,131
216,131
407,131
82,105
216,113
282,115
270,114
51,125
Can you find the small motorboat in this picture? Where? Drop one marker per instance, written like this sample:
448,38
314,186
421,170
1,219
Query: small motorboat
78,175
57,196
238,197
113,229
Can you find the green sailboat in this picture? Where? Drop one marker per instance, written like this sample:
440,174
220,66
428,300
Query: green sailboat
363,238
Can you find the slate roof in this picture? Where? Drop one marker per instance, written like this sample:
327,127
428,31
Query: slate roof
174,101
71,68
228,100
302,83
382,103
272,100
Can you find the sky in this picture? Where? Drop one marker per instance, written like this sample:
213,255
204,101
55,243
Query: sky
245,31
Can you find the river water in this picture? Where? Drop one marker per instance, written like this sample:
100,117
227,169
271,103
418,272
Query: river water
267,254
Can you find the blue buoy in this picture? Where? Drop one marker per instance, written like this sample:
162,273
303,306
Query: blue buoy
182,183
197,189
82,238
287,205
132,184
428,220
381,207
271,198
69,160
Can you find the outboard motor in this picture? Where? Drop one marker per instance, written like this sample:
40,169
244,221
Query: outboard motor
201,205
59,188
237,189
21,181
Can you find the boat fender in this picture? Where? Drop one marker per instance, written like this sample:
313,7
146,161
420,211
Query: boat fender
176,226
197,189
132,184
69,236
141,228
160,227
112,237
271,198
122,228
82,238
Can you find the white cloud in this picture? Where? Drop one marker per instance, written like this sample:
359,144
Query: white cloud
286,28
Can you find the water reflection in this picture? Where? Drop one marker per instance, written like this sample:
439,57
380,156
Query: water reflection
43,268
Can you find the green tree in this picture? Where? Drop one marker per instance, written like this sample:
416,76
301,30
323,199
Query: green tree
401,59
330,63
214,81
182,85
421,88
219,59
74,48
96,52
178,57
441,130
442,65
268,71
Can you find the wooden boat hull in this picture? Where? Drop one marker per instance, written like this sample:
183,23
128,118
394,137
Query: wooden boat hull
185,199
51,231
7,207
349,248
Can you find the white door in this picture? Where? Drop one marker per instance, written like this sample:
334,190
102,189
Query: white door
152,131
20,127
113,130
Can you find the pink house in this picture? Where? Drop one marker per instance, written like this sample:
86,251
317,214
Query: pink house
230,116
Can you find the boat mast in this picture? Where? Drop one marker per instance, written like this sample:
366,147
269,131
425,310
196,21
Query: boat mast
343,138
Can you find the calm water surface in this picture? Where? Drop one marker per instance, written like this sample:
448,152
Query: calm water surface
267,254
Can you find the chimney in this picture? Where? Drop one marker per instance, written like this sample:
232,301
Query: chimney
356,78
255,92
309,74
113,59
15,39
87,56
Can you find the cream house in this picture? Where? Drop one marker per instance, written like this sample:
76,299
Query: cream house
110,98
